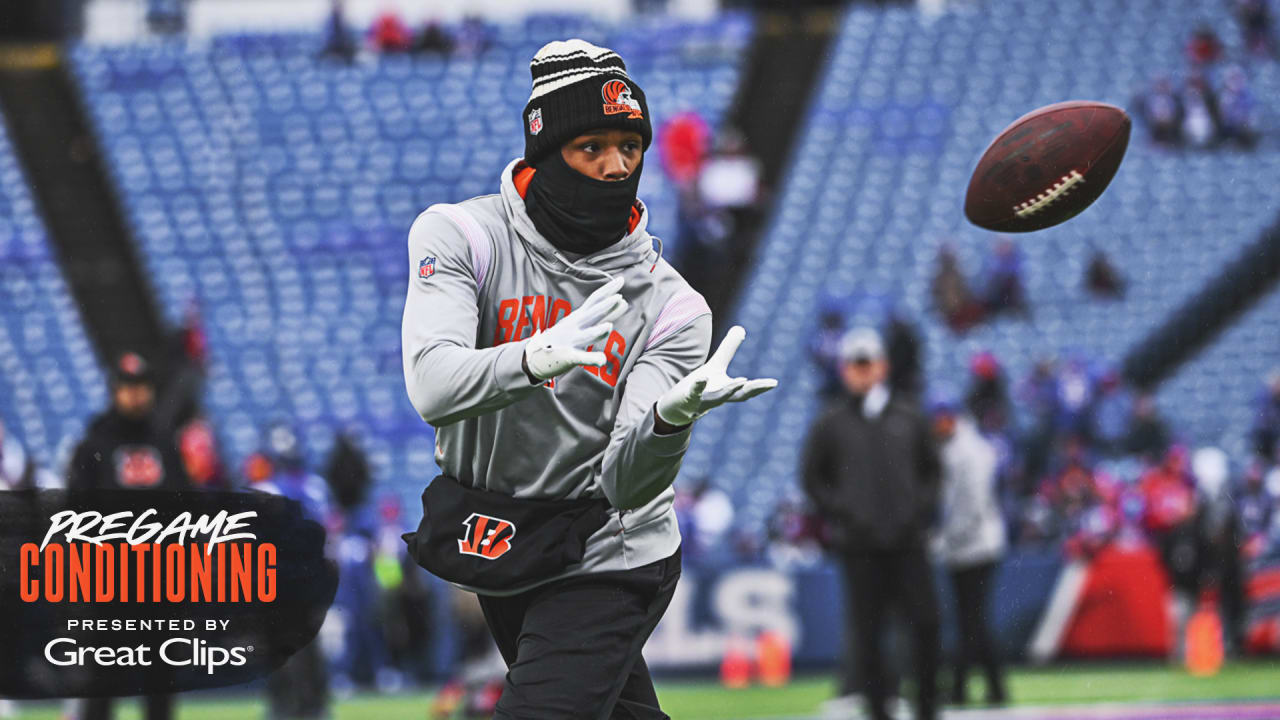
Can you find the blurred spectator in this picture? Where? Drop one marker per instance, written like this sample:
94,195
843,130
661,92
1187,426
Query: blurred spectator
704,249
988,397
1038,394
347,472
406,596
257,469
337,37
1102,279
649,7
389,34
199,449
167,16
970,542
126,448
951,295
1075,398
1256,507
1148,434
18,470
729,187
1220,538
1256,23
872,469
711,521
682,147
1002,284
180,380
290,476
433,40
1240,114
364,657
795,536
1072,491
1161,110
730,176
1168,490
903,348
824,350
475,687
1110,414
300,688
1203,47
1266,418
473,37
1201,124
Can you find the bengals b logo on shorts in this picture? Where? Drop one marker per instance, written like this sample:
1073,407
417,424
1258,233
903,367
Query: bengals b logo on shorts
486,537
618,100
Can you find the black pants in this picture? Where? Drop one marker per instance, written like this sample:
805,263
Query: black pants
157,707
973,589
572,647
877,582
300,687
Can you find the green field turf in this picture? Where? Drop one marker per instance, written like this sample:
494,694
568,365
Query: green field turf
706,701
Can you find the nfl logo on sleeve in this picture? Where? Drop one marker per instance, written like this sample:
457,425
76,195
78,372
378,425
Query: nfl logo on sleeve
426,268
535,121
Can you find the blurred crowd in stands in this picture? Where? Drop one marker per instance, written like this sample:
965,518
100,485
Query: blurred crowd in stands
999,288
390,34
1214,105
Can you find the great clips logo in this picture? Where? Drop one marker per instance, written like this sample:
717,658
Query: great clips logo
486,536
145,591
520,317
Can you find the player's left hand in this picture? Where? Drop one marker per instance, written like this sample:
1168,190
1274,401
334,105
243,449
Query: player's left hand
710,386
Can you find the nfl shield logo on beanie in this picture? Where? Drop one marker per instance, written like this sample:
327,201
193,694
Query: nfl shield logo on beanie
535,121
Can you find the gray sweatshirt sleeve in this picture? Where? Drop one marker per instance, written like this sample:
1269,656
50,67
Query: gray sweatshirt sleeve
638,463
447,377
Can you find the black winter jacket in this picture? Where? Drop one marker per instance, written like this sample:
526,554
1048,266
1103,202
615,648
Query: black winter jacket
122,453
874,480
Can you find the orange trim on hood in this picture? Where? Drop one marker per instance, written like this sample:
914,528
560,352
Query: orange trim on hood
522,175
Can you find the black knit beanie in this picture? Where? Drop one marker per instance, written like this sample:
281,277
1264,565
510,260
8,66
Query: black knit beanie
577,87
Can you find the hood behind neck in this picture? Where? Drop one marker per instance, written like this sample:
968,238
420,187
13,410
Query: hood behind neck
634,248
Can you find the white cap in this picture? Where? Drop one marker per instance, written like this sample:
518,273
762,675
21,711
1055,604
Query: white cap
861,343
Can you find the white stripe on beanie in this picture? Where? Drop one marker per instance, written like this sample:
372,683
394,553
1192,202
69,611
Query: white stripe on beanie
564,62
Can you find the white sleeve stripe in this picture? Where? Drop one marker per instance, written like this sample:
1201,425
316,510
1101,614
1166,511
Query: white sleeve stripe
679,311
480,251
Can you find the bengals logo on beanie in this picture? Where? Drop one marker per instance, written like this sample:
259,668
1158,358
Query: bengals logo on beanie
579,87
617,99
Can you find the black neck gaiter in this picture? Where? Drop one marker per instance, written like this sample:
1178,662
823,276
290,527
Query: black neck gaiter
576,213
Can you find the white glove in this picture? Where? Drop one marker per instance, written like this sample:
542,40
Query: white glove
710,386
563,346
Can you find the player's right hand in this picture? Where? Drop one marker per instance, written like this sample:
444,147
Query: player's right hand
563,346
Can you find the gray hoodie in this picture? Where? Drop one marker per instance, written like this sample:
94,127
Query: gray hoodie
481,277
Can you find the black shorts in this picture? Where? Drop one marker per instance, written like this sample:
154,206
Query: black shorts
572,646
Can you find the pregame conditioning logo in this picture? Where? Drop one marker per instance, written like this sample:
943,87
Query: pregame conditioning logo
487,537
618,100
140,591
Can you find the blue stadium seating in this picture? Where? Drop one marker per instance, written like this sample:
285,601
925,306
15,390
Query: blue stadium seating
276,189
877,185
49,376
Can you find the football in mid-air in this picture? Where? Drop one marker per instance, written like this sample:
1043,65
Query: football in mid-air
1047,167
